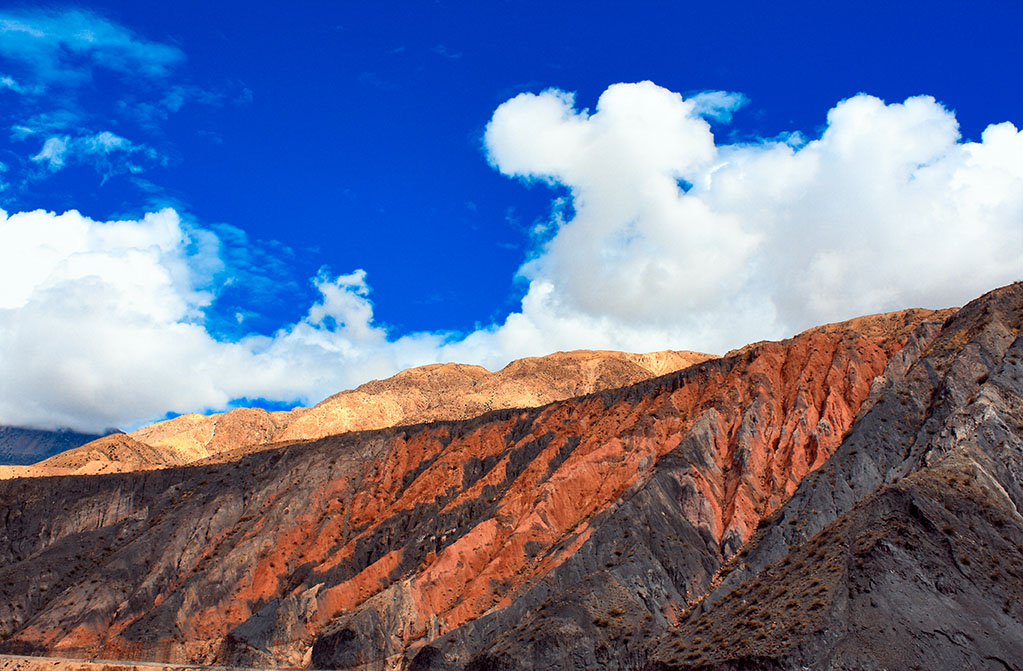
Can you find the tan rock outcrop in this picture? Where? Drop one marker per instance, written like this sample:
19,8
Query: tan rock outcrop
447,391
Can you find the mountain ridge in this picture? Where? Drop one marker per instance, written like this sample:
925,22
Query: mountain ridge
497,459
694,520
423,394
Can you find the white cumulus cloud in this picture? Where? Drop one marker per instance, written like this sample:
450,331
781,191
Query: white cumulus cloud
101,324
889,208
671,240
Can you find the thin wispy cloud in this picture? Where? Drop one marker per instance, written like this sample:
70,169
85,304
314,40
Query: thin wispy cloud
44,122
11,85
718,105
108,153
153,110
64,48
446,52
373,80
50,61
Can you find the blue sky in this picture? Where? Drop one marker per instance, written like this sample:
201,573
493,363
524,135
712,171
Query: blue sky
332,198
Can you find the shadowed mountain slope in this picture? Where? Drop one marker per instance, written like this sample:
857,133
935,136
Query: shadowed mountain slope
597,520
20,446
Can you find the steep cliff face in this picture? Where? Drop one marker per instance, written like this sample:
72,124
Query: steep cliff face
425,545
424,394
904,550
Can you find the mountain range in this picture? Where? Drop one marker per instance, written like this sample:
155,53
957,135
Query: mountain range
848,498
22,446
427,393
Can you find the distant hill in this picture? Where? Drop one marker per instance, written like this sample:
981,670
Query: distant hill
429,393
19,446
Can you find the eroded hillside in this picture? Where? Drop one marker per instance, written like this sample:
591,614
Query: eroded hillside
904,550
599,519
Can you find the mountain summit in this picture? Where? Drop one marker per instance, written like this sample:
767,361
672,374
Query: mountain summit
428,393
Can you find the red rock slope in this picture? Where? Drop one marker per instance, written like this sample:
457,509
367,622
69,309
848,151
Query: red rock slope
364,547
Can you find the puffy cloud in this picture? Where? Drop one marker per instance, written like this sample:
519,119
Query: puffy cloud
634,240
887,209
670,240
87,311
101,324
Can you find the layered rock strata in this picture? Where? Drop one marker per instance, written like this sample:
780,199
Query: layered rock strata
587,524
905,549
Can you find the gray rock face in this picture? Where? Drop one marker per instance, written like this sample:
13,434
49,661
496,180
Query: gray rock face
962,390
905,550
